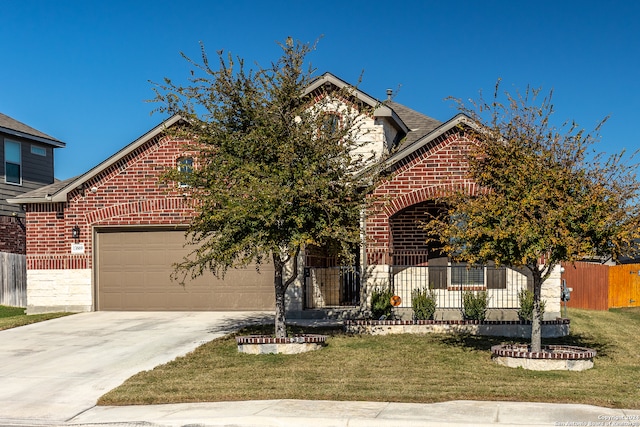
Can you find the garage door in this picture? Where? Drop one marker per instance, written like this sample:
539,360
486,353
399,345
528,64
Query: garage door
133,273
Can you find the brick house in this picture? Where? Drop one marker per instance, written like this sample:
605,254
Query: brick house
106,239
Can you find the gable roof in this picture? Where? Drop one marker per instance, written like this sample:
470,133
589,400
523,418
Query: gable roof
380,109
406,149
57,192
13,127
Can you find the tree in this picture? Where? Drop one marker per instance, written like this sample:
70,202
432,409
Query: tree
545,195
272,171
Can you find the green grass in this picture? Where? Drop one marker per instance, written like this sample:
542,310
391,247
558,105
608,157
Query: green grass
12,317
400,368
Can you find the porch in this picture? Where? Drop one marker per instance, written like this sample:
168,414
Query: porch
335,286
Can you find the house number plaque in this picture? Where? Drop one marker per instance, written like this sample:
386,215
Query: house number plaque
77,248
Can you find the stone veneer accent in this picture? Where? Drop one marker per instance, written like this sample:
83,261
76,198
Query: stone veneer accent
508,329
59,290
260,344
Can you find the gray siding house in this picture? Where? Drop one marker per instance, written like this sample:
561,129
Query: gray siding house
26,163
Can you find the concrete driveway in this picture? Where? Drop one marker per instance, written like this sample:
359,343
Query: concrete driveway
54,370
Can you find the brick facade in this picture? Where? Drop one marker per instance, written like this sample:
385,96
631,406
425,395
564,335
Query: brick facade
124,194
12,230
393,225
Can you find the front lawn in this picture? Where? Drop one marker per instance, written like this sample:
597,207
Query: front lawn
12,317
400,368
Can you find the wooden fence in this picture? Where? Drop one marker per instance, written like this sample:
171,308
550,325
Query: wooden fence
13,279
601,287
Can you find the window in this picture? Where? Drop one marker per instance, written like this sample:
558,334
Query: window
466,277
39,151
330,123
12,163
185,167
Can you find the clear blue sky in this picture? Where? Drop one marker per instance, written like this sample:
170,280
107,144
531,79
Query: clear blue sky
80,70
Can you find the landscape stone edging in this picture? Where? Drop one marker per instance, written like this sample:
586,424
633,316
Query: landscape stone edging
262,339
455,322
554,352
261,344
551,358
502,328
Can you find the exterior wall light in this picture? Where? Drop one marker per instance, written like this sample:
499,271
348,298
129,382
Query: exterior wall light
75,232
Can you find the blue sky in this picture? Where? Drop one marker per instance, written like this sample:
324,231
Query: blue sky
80,70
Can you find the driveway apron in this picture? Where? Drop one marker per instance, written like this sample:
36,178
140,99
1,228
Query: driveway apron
54,370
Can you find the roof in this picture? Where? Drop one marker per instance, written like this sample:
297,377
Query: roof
380,109
57,192
14,127
419,125
407,148
419,129
413,124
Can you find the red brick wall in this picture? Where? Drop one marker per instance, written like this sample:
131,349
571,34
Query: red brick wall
127,193
12,235
437,167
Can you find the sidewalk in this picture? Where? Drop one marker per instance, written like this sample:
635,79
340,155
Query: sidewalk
285,413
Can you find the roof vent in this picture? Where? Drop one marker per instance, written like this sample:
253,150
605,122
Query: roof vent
389,94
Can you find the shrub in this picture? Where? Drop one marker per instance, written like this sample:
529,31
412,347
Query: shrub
381,303
525,312
423,302
475,305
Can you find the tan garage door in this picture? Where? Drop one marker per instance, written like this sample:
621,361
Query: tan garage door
133,269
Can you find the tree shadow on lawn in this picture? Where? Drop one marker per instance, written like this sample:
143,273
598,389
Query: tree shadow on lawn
484,343
237,321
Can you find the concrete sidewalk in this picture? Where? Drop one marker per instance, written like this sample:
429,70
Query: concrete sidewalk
284,413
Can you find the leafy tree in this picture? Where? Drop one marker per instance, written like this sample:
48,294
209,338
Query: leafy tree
272,170
545,195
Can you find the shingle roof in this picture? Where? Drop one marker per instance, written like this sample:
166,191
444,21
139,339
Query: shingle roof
46,191
10,125
57,192
419,124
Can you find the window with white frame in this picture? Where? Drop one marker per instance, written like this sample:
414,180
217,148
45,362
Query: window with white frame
12,162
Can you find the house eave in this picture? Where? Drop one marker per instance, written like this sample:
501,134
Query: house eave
53,142
460,119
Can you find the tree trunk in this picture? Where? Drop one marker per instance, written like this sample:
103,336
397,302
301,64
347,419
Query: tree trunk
278,282
536,327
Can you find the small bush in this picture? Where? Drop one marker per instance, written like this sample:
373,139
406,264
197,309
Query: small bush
423,302
475,305
525,312
381,303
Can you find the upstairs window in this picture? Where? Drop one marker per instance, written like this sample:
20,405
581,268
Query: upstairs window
39,151
185,167
12,162
330,123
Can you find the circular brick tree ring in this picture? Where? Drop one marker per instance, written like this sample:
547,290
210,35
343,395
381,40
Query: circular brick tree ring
551,358
262,344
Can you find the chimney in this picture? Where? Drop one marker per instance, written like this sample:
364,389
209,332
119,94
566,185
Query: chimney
389,94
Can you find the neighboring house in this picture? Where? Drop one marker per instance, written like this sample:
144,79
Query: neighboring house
107,239
26,163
